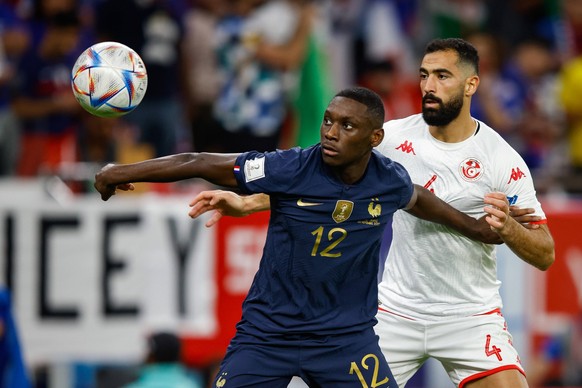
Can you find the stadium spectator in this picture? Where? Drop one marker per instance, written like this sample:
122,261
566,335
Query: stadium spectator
521,20
43,100
155,31
399,93
162,366
38,15
314,87
203,84
314,296
531,73
261,45
518,96
14,41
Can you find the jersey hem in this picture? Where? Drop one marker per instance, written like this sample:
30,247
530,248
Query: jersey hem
393,313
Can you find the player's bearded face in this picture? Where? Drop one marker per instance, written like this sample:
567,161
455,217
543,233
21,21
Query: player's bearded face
445,113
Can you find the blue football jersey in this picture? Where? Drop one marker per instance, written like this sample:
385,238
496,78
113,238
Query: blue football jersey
318,273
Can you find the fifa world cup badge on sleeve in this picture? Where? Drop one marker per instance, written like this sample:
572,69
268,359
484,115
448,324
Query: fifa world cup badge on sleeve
254,169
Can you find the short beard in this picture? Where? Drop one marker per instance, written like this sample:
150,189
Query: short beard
445,113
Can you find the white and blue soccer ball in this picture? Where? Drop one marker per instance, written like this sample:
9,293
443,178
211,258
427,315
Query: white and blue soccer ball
109,79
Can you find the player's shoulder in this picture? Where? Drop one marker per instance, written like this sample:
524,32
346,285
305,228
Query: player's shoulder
411,127
287,153
291,159
404,124
493,142
384,163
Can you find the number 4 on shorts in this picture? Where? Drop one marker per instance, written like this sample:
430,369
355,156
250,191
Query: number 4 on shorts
491,350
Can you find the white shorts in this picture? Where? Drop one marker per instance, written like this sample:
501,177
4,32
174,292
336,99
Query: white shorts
468,347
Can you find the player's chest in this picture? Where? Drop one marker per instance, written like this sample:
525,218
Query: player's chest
459,176
361,211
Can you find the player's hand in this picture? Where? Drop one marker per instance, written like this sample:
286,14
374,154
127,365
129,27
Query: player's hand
107,190
485,234
224,203
497,211
523,216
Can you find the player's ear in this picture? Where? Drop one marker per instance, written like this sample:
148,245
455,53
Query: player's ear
471,85
377,137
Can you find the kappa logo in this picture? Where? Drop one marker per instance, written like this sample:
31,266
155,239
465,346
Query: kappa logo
301,203
471,169
516,174
406,147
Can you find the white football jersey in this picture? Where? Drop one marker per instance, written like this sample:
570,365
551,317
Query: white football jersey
432,271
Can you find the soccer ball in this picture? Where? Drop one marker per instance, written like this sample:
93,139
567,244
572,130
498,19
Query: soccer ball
109,79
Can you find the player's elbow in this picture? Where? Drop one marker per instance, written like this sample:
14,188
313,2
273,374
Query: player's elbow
547,251
547,261
546,258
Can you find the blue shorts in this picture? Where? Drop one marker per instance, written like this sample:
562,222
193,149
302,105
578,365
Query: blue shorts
347,360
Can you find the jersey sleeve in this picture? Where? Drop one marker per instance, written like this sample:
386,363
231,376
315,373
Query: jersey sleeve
407,186
383,147
269,173
513,178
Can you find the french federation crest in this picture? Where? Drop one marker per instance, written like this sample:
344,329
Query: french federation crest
374,208
343,210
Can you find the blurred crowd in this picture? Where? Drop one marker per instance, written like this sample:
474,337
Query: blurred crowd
236,75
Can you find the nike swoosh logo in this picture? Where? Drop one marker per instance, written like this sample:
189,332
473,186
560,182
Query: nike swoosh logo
301,203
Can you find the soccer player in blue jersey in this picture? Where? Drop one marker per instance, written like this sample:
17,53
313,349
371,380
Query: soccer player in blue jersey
311,308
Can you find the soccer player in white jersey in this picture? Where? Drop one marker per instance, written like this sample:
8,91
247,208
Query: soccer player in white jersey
439,294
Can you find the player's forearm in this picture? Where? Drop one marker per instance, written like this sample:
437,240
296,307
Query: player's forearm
215,168
256,203
431,208
535,247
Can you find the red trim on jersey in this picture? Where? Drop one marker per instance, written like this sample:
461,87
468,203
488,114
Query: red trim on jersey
393,313
477,376
540,222
496,311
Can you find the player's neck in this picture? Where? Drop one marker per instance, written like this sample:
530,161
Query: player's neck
456,131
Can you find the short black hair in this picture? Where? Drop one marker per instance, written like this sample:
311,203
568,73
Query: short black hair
369,98
164,347
467,53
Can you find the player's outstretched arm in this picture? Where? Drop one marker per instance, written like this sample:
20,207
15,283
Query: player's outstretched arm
533,245
227,203
215,168
428,206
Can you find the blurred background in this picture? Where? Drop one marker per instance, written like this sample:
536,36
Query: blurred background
85,286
